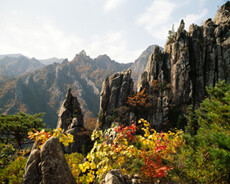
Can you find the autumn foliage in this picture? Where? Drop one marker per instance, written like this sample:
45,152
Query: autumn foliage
139,103
121,148
42,136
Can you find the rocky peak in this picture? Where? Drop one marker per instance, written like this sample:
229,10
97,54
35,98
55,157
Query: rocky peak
103,57
189,63
70,114
81,57
82,53
71,120
222,16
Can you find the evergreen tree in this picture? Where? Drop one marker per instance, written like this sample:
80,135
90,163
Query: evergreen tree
206,155
15,127
171,34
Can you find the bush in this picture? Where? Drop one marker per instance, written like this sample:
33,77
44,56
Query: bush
149,155
13,172
73,161
6,152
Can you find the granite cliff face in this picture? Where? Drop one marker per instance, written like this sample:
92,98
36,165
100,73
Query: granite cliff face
178,76
114,93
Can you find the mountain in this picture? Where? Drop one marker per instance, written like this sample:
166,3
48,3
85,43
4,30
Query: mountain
17,64
50,60
43,90
174,79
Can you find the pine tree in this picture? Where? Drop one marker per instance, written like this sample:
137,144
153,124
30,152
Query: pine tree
15,127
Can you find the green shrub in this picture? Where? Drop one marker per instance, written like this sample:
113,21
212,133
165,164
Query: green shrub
205,158
13,172
6,152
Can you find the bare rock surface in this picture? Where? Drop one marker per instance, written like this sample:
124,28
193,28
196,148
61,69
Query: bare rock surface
54,167
48,165
32,173
114,93
178,76
70,109
71,120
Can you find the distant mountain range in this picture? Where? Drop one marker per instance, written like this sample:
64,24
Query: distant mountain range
50,61
42,88
17,64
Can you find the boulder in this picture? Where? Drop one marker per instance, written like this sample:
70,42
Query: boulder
48,165
32,174
114,177
54,167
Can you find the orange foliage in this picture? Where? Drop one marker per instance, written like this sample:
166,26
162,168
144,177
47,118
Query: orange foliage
90,123
140,100
155,85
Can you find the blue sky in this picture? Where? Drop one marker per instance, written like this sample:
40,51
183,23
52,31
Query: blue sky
122,29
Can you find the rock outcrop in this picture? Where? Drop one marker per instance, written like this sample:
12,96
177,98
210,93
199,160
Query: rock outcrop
69,110
48,165
140,63
178,76
115,177
54,167
32,174
71,120
114,93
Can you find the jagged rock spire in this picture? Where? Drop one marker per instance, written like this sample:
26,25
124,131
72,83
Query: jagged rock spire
190,62
70,114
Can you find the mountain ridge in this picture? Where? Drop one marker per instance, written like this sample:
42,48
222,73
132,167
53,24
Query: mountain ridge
44,89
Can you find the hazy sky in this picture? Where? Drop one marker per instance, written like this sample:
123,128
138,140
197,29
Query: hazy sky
122,29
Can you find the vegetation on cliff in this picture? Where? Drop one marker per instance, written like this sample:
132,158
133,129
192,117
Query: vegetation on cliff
205,158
